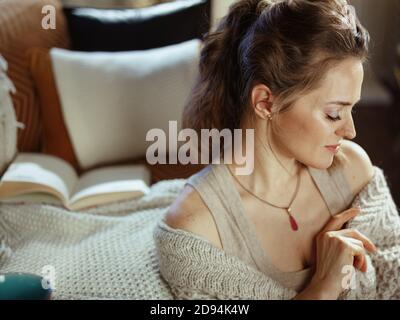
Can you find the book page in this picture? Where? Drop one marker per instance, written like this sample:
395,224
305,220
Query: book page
35,197
43,170
120,179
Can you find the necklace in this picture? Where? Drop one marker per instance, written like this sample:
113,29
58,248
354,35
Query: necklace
288,209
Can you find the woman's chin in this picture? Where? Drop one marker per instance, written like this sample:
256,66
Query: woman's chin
322,164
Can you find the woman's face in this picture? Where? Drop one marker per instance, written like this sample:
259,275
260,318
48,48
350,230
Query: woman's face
322,117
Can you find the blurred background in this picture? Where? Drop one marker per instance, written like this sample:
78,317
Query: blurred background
126,25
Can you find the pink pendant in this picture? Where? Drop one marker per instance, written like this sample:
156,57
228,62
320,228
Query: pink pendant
293,223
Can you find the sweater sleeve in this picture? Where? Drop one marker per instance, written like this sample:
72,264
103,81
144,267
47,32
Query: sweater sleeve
380,222
195,269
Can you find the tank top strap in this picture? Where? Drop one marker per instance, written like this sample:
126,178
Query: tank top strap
211,185
333,186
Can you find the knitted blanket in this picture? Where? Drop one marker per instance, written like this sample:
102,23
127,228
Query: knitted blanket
195,269
105,252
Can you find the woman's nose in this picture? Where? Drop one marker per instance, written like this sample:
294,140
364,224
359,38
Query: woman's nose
347,130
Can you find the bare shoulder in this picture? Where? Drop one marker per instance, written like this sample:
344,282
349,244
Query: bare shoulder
357,165
189,212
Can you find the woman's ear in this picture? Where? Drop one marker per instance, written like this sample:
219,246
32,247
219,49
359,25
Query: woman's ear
262,101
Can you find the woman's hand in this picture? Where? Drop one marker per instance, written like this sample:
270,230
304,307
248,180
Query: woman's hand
335,249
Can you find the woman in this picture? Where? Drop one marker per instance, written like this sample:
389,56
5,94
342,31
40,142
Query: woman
292,71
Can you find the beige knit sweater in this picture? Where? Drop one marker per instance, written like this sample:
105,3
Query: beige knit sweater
195,269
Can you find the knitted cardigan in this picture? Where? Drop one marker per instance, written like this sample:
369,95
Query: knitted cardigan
195,269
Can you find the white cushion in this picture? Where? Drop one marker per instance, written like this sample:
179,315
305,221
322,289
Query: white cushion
110,100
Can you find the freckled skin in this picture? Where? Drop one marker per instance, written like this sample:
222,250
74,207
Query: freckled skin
304,131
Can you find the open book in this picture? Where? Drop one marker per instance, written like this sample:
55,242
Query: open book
35,177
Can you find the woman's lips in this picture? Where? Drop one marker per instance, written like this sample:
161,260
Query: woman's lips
334,149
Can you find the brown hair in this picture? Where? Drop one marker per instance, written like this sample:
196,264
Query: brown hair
287,45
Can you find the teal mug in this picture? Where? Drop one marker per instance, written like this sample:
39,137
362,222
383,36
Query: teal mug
23,286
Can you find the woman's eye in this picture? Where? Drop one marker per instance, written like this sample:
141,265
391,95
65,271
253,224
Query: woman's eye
333,117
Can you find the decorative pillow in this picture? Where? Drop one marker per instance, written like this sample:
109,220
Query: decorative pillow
21,28
137,29
111,100
55,137
8,121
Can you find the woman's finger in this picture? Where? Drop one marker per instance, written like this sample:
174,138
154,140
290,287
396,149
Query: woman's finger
367,243
359,253
338,221
357,250
358,263
352,241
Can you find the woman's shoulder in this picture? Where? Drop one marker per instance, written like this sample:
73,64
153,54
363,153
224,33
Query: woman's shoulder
355,165
189,213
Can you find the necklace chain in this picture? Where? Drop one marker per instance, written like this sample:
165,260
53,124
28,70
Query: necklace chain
267,202
288,209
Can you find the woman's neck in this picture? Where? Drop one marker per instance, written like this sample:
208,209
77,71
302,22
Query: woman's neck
274,174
